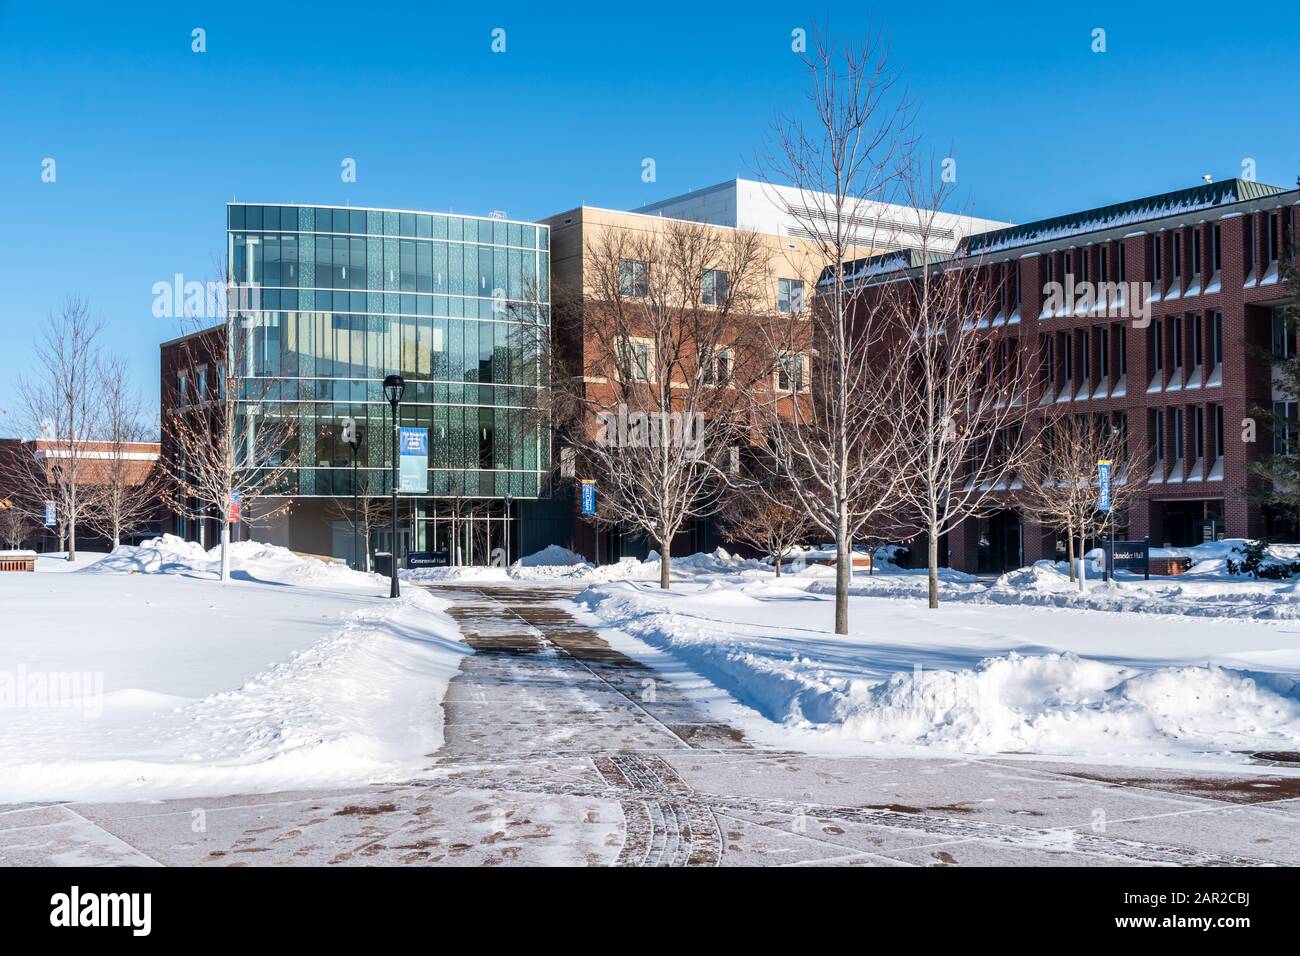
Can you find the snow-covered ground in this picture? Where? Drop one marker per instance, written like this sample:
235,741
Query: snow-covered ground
1025,665
140,675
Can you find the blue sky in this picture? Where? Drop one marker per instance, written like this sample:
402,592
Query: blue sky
151,139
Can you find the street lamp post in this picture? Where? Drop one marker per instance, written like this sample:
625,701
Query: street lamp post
394,388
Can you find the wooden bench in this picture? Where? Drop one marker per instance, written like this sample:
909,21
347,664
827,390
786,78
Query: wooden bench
17,560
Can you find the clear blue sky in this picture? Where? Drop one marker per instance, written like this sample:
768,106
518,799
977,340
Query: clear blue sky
151,139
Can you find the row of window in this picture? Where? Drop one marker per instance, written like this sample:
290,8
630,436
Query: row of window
378,222
394,265
1167,432
1177,340
1172,256
790,374
634,282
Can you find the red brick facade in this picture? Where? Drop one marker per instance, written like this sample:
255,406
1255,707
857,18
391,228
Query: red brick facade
1184,382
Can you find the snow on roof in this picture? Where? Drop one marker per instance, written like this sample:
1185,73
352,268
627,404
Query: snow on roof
1206,196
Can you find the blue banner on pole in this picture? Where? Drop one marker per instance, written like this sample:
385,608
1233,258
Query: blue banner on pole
51,518
413,472
589,497
1103,486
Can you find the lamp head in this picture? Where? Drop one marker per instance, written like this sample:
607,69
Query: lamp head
394,388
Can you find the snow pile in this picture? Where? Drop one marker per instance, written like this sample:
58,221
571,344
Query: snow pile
298,673
973,677
550,556
1063,704
249,560
1204,591
166,555
555,563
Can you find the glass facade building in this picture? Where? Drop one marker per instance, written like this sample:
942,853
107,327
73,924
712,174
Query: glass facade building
457,305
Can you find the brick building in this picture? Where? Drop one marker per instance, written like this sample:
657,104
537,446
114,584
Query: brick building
1172,350
26,464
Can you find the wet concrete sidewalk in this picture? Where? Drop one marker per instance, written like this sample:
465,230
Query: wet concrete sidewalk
560,750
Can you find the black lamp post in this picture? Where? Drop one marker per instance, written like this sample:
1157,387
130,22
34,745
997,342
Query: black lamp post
394,388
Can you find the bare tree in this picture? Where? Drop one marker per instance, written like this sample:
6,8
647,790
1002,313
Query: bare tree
372,512
843,162
654,412
126,487
758,518
16,525
60,403
224,441
965,379
1061,485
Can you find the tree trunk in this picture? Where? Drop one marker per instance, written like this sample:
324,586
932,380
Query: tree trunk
72,541
1083,562
934,571
225,551
1069,549
843,562
664,562
776,560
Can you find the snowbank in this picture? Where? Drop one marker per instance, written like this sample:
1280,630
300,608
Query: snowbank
249,560
1062,704
555,563
298,673
974,677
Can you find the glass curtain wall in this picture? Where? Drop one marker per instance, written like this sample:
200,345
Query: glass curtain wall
458,306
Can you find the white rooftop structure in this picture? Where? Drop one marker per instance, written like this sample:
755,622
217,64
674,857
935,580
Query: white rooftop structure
786,211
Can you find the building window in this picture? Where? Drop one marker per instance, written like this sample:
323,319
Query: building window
1067,359
637,359
714,287
1103,352
1155,260
1157,347
1271,242
1177,256
1084,256
1198,431
633,278
182,389
1049,267
1178,433
1216,339
792,373
789,295
1217,414
1196,251
486,445
1123,262
1216,247
1123,349
1158,435
201,384
1197,359
718,372
1284,428
1283,336
1249,242
1176,341
1103,263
